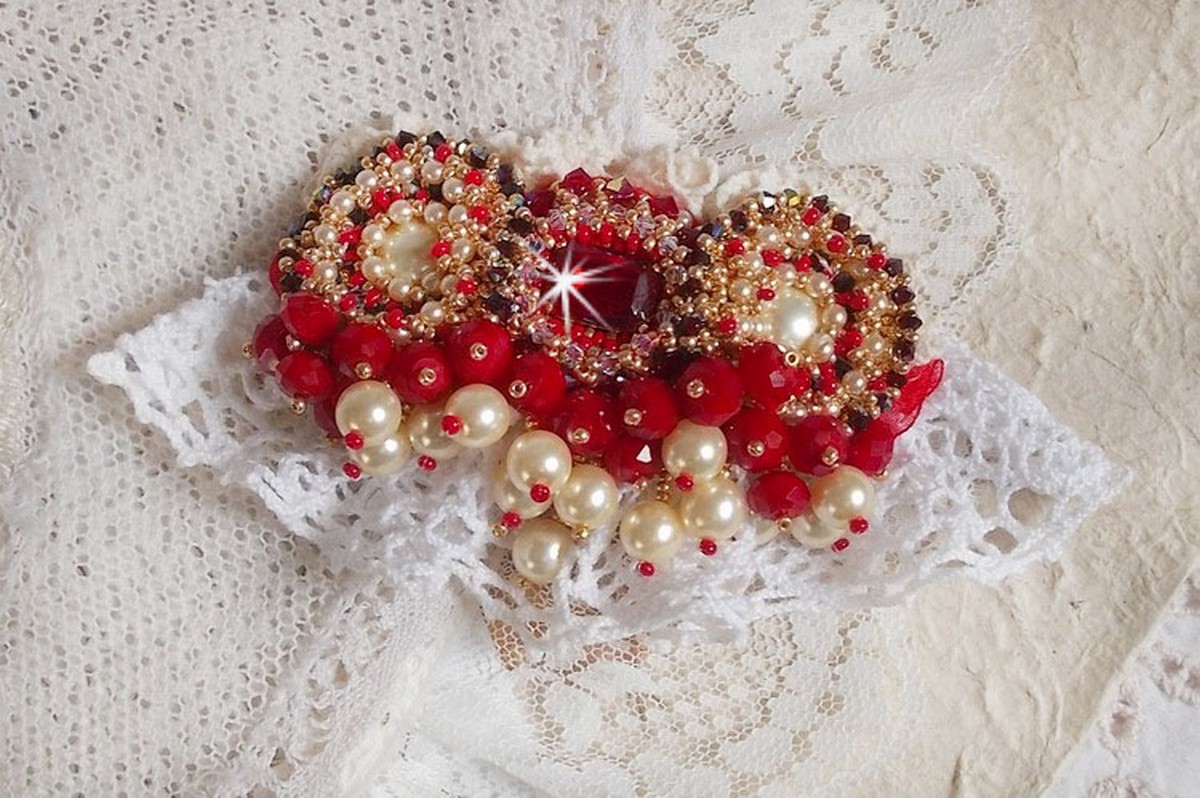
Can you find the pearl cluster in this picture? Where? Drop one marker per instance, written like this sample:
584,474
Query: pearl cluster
747,374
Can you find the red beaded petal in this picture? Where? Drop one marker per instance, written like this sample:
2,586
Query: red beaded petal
631,459
768,380
269,344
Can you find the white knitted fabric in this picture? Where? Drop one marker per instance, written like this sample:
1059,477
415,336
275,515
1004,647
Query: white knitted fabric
164,632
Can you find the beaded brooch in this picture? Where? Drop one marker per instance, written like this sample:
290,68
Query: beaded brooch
752,369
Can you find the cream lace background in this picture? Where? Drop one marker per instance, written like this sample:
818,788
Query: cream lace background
163,633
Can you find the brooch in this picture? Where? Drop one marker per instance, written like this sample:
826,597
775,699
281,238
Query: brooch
754,368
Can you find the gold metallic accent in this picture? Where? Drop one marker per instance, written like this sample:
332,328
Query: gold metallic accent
756,448
478,351
517,389
363,371
633,417
426,377
299,407
830,457
695,388
579,436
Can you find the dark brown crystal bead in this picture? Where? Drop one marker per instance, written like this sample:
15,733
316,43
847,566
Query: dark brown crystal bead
521,227
896,379
841,222
843,282
857,420
909,321
903,295
895,267
821,202
905,350
404,137
863,240
738,220
435,139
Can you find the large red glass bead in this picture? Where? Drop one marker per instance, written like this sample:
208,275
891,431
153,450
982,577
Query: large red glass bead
709,391
871,449
480,351
757,439
778,495
311,319
629,459
587,422
303,375
767,379
818,445
420,373
358,345
269,344
537,385
647,408
324,411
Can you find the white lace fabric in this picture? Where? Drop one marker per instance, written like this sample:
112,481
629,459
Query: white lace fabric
164,632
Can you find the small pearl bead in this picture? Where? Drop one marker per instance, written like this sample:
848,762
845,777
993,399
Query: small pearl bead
769,233
366,178
325,234
377,270
874,344
841,495
385,458
540,550
819,286
695,450
881,304
484,413
801,239
651,531
742,289
435,213
426,436
765,530
432,312
820,346
370,408
589,499
373,234
400,211
854,382
452,189
814,535
538,458
431,172
342,201
403,171
834,317
511,499
458,214
462,249
714,509
328,273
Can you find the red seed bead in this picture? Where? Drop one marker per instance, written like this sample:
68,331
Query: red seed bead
537,385
540,493
685,482
709,391
769,381
871,449
708,547
303,267
360,344
303,375
440,248
734,246
819,444
841,544
511,520
587,422
347,303
352,470
426,463
811,216
269,344
395,318
647,408
876,261
757,439
836,243
473,178
646,569
479,351
772,257
778,495
480,214
420,373
309,318
727,326
466,286
859,525
442,152
354,440
630,459
451,424
766,294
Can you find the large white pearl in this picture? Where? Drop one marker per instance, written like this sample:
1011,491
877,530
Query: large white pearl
405,247
425,433
794,319
812,534
540,550
714,509
484,414
651,531
384,458
841,495
588,499
538,458
695,450
370,408
511,499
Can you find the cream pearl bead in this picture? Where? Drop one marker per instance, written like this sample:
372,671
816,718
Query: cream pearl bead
794,319
714,509
431,172
405,247
403,171
462,249
588,499
538,458
433,313
820,346
343,201
695,450
841,495
426,436
325,234
484,414
818,286
370,408
834,316
511,499
401,210
384,458
452,189
377,270
540,550
366,178
458,214
854,382
812,534
651,531
435,213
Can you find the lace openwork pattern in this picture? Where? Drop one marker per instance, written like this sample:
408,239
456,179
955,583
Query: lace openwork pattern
211,649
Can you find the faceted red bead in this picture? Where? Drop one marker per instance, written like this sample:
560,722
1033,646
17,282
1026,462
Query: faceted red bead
587,422
876,260
537,385
871,449
577,181
420,373
836,244
859,525
311,319
269,343
631,459
768,380
352,470
708,547
840,545
360,344
540,203
324,410
778,495
757,439
646,569
480,351
709,391
426,463
664,205
819,444
540,493
303,375
811,216
647,408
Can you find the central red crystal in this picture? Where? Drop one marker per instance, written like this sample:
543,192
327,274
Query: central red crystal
606,290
